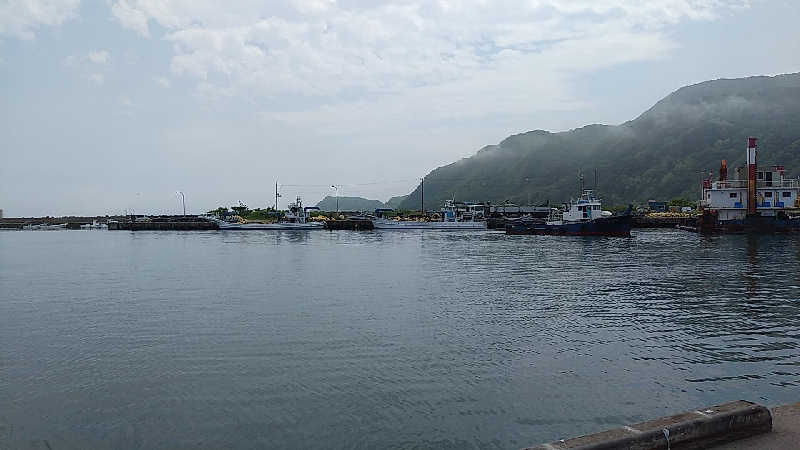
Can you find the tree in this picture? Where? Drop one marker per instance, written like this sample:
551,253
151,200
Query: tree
219,212
241,210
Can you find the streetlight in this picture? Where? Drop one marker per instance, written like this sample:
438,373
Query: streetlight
183,200
333,186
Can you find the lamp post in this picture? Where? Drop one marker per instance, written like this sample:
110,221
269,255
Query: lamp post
183,200
335,187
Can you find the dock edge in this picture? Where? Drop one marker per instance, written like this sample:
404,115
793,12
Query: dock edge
689,430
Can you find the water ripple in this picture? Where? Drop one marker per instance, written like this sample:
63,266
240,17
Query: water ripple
364,340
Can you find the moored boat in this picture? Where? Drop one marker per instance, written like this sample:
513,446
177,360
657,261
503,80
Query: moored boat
455,216
583,217
294,219
45,227
767,201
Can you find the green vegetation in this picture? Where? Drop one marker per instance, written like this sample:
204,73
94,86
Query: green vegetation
661,154
682,202
244,212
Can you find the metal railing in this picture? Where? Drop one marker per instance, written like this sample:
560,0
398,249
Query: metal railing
739,184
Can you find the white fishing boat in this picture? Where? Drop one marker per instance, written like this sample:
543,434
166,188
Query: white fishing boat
455,216
294,219
45,227
95,225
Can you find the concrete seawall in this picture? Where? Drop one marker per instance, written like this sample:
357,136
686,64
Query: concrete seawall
702,428
161,226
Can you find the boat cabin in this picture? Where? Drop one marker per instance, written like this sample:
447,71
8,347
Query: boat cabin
587,207
454,211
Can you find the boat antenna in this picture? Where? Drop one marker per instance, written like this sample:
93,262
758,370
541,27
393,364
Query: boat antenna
581,178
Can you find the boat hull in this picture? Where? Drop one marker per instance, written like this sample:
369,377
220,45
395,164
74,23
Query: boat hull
410,225
270,226
708,223
605,226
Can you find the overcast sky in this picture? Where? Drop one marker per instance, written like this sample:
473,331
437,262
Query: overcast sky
115,105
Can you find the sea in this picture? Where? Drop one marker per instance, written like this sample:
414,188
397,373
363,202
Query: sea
393,339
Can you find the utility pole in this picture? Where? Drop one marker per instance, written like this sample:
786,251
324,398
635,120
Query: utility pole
422,195
276,196
183,200
333,186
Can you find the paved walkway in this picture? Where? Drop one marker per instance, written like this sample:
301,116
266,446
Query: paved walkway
785,432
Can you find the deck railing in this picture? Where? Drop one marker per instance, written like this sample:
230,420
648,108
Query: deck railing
739,184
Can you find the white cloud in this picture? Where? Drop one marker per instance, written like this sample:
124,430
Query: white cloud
21,18
98,56
97,78
162,81
326,50
131,17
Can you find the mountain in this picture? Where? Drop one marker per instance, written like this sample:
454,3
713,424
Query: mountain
394,202
349,204
659,155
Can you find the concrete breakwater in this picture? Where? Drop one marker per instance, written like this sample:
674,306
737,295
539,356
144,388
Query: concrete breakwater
159,223
701,428
162,226
349,224
643,221
73,222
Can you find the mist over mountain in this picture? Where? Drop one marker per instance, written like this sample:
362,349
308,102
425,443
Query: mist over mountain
659,155
349,204
394,202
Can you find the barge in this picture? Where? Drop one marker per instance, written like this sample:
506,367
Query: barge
767,201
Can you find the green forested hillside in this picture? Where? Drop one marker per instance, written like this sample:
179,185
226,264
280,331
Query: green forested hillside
394,202
659,155
349,204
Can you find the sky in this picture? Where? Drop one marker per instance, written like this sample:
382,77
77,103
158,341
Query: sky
110,106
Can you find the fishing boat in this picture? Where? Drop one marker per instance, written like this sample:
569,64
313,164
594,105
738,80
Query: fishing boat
454,216
582,217
45,227
294,219
95,225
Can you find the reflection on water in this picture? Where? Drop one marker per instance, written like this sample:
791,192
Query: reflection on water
383,339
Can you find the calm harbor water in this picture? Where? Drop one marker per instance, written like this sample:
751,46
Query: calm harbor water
393,339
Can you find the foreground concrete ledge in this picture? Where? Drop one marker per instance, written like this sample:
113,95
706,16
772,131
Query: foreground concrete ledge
690,430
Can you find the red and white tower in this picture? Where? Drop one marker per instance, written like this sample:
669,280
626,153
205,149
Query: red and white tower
752,192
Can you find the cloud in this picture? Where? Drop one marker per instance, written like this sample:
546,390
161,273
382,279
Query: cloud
162,81
97,78
21,18
98,56
131,17
326,50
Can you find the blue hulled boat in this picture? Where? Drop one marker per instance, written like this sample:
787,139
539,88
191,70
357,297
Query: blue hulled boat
583,217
